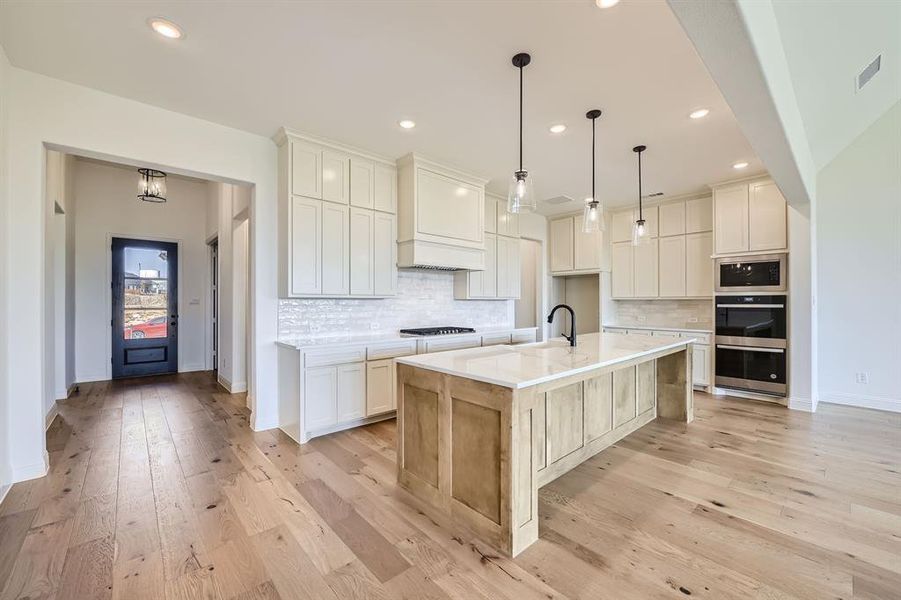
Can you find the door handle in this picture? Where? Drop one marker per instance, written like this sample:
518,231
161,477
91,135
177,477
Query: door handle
752,349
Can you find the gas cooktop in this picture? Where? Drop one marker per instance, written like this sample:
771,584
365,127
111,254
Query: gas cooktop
436,331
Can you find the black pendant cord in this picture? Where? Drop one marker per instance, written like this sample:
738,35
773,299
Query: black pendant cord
593,197
639,150
520,118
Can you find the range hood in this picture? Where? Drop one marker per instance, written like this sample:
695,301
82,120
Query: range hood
440,216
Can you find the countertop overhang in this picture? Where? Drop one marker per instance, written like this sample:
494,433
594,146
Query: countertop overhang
526,365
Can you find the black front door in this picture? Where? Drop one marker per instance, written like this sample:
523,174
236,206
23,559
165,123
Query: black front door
145,307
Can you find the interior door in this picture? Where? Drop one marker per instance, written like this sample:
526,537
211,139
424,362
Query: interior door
144,307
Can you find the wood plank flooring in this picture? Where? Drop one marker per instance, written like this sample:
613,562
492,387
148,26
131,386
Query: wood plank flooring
159,489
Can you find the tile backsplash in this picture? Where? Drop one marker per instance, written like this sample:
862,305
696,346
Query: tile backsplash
664,313
424,299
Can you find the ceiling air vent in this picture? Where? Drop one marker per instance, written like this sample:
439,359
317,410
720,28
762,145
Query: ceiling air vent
869,72
653,195
558,200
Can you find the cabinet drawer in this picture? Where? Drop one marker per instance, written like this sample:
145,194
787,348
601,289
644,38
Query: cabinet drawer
453,344
643,332
392,350
323,358
615,330
493,339
667,334
702,338
524,337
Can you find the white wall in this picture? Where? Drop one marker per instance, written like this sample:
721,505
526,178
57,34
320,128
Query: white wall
5,416
240,278
107,207
858,242
80,120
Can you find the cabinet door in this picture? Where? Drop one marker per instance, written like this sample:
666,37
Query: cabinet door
621,226
362,183
385,253
645,268
305,235
492,208
698,264
306,170
320,396
586,247
562,244
672,219
672,266
362,254
385,181
622,282
700,365
449,208
351,391
507,223
508,267
766,217
335,249
730,208
486,281
651,217
335,177
699,215
380,386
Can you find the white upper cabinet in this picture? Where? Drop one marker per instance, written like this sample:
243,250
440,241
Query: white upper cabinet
672,219
304,251
385,192
622,285
730,206
337,230
441,216
362,183
698,264
335,249
766,217
645,264
507,223
306,169
362,252
672,266
650,215
385,254
562,245
749,217
508,267
491,211
699,214
335,178
621,226
586,247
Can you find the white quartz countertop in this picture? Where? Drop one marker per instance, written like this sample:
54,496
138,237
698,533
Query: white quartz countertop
647,327
375,338
526,365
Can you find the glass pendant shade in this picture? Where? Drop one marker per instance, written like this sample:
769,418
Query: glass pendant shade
640,232
521,196
151,185
592,217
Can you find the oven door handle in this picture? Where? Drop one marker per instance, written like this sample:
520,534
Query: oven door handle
750,306
751,349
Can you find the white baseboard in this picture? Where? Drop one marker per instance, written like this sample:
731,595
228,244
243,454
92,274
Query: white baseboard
803,404
862,401
192,368
261,425
32,471
91,378
4,490
51,415
223,381
238,387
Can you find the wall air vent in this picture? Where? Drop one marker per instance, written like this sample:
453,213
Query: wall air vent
558,200
869,72
653,195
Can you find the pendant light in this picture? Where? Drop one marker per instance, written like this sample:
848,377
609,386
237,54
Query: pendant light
151,185
639,228
521,197
593,216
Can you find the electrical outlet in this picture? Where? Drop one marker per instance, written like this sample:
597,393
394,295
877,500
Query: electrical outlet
862,377
642,318
692,319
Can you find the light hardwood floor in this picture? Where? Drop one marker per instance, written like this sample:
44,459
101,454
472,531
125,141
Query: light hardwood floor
159,489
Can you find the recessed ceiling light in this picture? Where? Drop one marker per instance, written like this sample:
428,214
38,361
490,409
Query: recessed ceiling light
740,165
606,3
700,113
558,128
407,124
166,28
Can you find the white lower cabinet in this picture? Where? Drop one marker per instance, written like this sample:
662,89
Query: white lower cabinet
380,386
700,353
700,361
320,392
351,400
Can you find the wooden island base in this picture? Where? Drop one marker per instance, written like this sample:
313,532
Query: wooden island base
474,454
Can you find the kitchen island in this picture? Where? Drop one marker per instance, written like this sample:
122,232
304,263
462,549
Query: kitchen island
480,430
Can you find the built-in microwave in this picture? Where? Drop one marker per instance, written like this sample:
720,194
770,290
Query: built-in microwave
761,273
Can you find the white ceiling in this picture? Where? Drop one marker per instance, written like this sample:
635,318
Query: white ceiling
824,61
349,70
